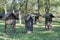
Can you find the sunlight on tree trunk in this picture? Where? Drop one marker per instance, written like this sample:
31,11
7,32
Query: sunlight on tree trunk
13,6
13,11
20,17
5,7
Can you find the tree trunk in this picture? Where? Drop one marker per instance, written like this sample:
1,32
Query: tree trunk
38,11
38,6
47,7
13,11
26,7
20,17
13,6
5,7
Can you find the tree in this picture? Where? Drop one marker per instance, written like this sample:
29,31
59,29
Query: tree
5,6
20,7
26,3
38,6
14,6
47,7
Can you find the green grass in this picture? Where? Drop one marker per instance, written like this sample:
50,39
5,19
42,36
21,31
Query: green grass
39,33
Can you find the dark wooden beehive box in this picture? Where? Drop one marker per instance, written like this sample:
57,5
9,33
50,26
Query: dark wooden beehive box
29,23
10,19
48,20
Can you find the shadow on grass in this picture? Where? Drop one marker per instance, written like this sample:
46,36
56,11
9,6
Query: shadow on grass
1,32
56,29
39,33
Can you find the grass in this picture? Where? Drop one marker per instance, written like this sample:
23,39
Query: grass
39,33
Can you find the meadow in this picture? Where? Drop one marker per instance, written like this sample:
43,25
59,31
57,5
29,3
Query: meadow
39,31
